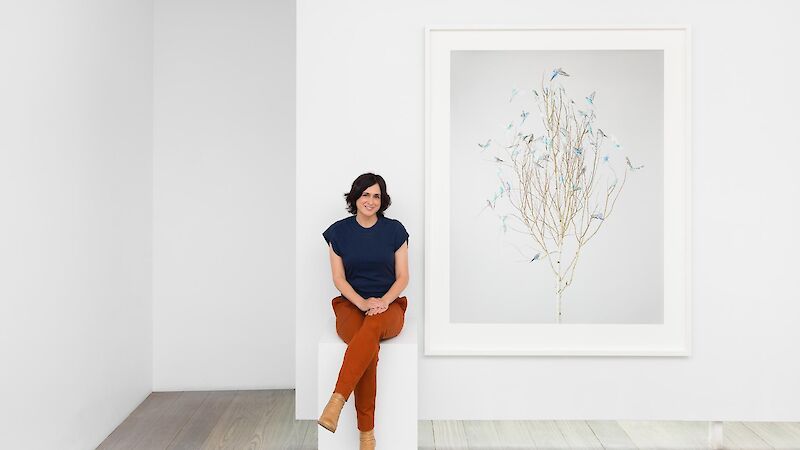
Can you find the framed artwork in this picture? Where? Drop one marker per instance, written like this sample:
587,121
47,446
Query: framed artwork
557,196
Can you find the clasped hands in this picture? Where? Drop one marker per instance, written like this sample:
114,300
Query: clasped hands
375,305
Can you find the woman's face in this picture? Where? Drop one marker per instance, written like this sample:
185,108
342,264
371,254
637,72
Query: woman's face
370,201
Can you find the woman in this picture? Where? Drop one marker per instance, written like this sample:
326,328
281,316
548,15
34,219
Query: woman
369,262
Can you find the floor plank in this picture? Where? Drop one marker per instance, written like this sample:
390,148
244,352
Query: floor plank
278,425
425,435
648,434
140,422
546,434
197,429
694,432
776,434
513,434
611,435
311,438
172,420
480,434
237,428
449,434
736,436
578,434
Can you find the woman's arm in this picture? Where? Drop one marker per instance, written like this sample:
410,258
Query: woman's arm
401,275
341,283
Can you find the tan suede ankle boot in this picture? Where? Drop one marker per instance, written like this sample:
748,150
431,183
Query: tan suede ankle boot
367,440
330,415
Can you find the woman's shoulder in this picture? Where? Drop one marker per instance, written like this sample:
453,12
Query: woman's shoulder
344,219
340,223
395,223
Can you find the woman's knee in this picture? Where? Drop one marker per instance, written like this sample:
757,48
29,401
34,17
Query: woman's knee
400,304
335,301
372,320
376,323
384,325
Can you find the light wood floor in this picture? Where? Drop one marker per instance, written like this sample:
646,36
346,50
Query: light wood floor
265,420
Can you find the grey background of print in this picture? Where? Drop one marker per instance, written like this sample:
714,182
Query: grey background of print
619,277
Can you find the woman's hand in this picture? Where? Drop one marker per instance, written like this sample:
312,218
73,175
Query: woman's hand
374,302
370,303
376,310
376,306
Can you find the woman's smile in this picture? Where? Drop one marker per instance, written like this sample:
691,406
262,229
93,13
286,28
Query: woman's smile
370,200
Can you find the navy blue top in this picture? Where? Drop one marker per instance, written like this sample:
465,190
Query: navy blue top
367,253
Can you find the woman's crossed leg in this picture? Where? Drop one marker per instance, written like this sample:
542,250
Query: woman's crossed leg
363,333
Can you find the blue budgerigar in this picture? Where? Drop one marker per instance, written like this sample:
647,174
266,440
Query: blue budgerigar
536,257
556,72
503,222
590,98
615,143
528,138
524,116
547,141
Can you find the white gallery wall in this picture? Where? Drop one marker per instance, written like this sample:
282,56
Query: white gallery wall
76,96
360,107
147,227
223,262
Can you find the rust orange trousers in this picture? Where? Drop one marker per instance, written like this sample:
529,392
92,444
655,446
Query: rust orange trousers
363,334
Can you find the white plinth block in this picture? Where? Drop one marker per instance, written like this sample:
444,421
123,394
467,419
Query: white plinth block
396,398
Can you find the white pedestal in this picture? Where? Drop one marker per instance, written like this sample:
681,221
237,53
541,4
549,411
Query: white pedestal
396,399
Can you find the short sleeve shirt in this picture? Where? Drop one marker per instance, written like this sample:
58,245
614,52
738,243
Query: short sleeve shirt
367,253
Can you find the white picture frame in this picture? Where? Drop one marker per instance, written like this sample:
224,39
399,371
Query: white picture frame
670,338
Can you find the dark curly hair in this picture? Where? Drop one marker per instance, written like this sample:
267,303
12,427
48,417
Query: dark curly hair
360,185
